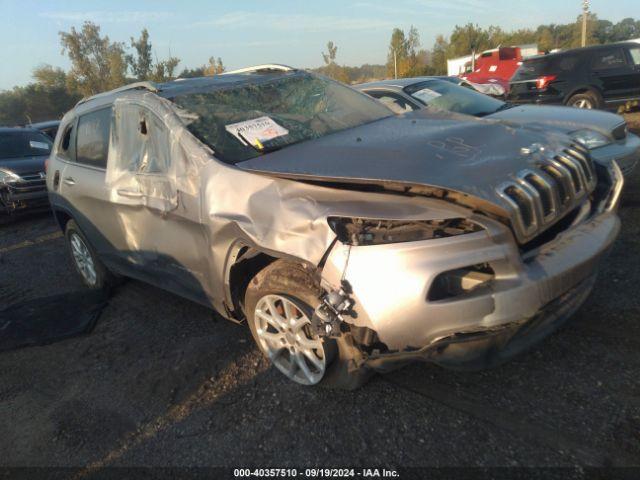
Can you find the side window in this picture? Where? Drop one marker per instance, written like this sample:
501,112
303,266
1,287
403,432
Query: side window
608,59
394,102
143,141
92,138
65,147
635,55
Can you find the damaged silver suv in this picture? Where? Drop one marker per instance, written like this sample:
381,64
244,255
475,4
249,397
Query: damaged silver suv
351,240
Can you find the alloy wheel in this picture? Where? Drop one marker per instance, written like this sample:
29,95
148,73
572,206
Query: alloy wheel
285,335
83,258
583,103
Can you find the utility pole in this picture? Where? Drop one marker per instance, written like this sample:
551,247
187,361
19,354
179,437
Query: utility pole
395,64
585,12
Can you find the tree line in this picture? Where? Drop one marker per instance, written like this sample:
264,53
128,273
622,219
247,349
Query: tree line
407,56
99,64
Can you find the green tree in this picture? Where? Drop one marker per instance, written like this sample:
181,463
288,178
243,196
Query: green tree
165,70
331,68
215,67
330,56
142,63
97,64
397,52
48,98
439,55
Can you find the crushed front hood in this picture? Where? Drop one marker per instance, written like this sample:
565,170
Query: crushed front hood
434,149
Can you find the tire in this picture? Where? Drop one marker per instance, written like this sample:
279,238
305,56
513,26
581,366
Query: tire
91,270
286,287
586,100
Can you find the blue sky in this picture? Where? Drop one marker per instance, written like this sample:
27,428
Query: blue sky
252,32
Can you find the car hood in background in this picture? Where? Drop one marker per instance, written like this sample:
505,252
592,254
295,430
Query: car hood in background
435,149
565,119
24,165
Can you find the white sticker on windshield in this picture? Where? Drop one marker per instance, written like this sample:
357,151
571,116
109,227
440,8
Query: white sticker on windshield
256,131
41,145
426,94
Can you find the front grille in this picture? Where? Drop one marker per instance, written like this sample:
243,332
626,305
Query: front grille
29,182
542,195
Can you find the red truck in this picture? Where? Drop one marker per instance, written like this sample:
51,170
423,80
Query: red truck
495,66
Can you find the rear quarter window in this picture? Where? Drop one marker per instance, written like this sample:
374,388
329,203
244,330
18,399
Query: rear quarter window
608,59
92,138
548,66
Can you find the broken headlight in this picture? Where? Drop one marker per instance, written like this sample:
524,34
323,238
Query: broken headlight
364,231
6,176
590,138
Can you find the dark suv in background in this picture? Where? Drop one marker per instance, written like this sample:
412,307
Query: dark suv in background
604,76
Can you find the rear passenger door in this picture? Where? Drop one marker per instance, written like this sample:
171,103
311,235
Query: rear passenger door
616,76
83,152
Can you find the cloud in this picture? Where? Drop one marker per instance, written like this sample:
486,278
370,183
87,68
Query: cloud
293,22
107,17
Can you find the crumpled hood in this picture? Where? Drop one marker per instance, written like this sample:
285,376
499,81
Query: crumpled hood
436,149
565,119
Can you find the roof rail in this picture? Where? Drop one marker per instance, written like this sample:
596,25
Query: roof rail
266,66
147,85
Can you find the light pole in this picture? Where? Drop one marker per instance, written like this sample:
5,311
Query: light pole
395,65
585,11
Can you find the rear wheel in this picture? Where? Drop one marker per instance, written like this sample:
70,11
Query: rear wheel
586,100
91,270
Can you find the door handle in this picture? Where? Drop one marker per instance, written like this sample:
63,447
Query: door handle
69,181
123,192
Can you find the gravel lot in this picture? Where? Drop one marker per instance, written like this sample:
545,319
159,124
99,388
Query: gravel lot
160,382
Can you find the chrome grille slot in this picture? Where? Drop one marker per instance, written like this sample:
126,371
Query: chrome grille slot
561,182
574,172
522,203
545,192
584,159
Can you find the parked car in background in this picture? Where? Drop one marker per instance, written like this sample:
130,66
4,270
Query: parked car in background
350,239
49,128
23,152
604,134
492,88
603,76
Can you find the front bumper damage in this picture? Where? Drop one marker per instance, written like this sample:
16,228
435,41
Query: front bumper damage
528,296
15,198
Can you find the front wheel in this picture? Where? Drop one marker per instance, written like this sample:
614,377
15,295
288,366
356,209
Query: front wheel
279,304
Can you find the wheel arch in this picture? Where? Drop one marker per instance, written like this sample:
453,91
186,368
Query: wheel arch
243,263
587,88
62,217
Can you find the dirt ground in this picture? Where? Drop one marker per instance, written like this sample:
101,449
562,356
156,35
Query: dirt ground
160,382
